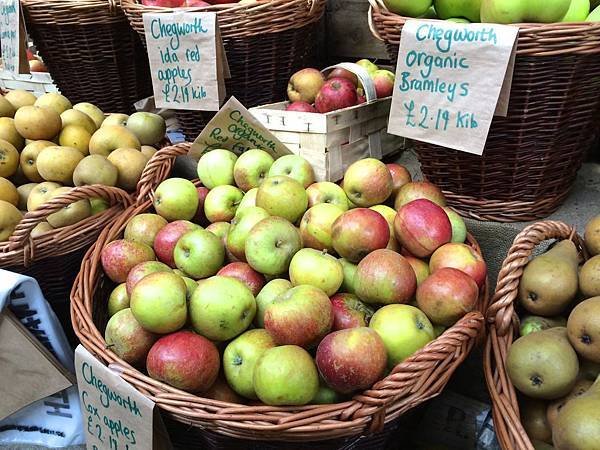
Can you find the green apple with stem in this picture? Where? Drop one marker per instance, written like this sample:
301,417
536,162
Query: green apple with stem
215,168
199,254
521,11
221,203
176,199
282,196
327,192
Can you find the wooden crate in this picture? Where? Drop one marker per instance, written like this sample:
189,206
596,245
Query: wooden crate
333,141
37,82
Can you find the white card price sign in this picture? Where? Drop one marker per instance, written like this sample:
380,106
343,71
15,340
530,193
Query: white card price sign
12,37
449,80
187,60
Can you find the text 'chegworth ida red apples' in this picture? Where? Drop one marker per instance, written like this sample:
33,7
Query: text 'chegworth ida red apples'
296,291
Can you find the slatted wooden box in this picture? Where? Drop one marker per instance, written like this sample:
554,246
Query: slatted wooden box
333,141
37,83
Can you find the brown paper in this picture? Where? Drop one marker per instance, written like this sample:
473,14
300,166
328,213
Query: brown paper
187,60
13,37
235,128
449,78
28,371
115,415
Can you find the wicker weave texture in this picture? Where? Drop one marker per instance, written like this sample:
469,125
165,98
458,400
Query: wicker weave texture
532,156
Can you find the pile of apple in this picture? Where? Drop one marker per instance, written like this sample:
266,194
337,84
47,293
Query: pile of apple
310,91
48,144
306,291
499,11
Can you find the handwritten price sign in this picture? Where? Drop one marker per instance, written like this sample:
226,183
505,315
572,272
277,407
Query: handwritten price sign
12,37
450,78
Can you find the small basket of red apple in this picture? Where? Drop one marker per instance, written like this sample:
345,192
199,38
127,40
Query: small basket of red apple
265,42
535,155
335,117
258,303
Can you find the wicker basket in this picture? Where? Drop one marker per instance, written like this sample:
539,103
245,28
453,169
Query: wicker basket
53,258
417,379
504,328
265,43
91,51
532,156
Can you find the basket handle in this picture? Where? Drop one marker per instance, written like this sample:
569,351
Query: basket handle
158,168
21,236
376,5
501,311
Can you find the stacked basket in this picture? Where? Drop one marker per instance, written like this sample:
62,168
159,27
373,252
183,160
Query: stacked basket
265,43
91,51
532,156
419,378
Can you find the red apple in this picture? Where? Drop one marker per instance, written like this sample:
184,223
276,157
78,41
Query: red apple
341,367
361,99
246,274
358,232
461,257
184,360
447,295
338,72
304,85
141,270
119,257
301,316
167,237
400,177
336,93
164,3
35,65
384,82
195,3
222,2
349,312
200,217
301,107
384,277
127,339
30,55
419,189
422,227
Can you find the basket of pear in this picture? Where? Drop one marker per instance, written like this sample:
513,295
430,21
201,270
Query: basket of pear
542,357
260,304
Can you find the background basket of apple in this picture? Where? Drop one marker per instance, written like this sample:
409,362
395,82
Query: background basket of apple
554,359
537,149
314,308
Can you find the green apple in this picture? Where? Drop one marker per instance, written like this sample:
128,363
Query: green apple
522,11
71,213
249,199
327,192
389,214
199,254
251,168
91,110
118,299
578,11
315,226
221,203
459,229
325,395
115,119
148,127
221,308
448,9
98,205
286,375
240,358
215,168
318,269
240,227
295,167
349,269
368,65
594,15
158,302
267,295
271,244
176,199
404,330
282,196
410,8
458,20
144,228
429,14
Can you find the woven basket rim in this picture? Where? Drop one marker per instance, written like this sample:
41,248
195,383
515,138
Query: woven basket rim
503,326
411,382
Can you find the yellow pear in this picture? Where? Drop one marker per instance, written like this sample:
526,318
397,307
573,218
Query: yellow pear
54,100
40,194
41,228
37,122
8,192
130,164
24,190
111,137
9,159
115,119
95,169
58,163
9,133
75,136
10,216
92,111
6,108
28,159
20,97
148,150
71,213
75,117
